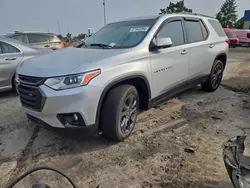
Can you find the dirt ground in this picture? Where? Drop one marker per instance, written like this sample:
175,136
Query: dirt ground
175,145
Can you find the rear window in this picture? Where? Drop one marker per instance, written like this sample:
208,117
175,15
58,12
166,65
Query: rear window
231,35
217,27
7,48
36,38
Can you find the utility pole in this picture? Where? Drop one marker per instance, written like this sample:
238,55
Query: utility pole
59,29
104,11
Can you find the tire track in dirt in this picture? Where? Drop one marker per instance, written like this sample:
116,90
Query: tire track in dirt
25,157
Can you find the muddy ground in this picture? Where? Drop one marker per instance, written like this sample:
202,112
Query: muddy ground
156,153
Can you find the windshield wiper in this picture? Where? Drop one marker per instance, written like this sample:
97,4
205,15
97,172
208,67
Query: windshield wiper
101,45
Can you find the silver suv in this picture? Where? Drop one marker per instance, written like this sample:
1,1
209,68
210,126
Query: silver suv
126,66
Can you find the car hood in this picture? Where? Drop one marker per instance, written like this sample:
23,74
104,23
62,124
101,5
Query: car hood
64,61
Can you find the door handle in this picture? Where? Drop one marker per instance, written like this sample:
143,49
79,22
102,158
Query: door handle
47,46
10,59
184,52
211,46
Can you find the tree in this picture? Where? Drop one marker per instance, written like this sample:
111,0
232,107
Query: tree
60,37
239,24
175,8
227,15
68,37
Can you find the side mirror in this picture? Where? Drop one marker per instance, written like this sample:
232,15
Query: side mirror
162,43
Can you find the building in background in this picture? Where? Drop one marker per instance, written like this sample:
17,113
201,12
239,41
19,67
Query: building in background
247,20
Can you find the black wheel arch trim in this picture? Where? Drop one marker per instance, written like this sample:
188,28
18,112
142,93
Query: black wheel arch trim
221,54
116,82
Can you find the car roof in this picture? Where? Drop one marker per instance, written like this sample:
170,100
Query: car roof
228,30
141,18
184,14
31,32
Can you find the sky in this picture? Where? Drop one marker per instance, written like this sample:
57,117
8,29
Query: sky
76,16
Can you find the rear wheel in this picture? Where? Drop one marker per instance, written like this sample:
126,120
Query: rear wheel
119,112
215,77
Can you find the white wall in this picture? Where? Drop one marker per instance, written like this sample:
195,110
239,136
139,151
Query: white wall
246,25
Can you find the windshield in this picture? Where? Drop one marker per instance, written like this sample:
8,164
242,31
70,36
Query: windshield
231,35
121,35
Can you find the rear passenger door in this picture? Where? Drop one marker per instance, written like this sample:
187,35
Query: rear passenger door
201,49
38,41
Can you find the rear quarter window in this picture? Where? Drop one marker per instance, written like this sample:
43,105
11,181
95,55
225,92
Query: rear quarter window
217,27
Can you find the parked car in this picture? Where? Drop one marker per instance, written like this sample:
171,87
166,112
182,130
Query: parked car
126,66
38,39
13,53
243,35
232,37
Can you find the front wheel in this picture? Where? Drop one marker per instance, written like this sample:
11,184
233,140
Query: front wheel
119,112
215,77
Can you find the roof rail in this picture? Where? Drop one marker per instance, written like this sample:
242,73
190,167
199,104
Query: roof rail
196,14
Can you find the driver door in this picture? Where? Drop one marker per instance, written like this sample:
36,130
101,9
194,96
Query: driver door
170,65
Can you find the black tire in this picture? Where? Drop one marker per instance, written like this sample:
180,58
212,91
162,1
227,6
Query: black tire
234,46
115,112
215,77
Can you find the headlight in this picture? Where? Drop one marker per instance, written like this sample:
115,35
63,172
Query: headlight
71,81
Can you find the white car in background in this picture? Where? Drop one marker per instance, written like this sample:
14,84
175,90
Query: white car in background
243,35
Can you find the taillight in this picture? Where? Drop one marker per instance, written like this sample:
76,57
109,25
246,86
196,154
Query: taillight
228,41
248,35
63,43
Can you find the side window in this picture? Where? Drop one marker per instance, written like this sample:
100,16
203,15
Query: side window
194,31
7,48
204,30
173,30
35,38
21,38
217,27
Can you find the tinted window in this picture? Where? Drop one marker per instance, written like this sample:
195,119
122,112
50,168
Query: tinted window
7,48
194,31
174,31
35,38
21,38
217,27
204,30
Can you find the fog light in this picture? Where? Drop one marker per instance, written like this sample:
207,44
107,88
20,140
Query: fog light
72,119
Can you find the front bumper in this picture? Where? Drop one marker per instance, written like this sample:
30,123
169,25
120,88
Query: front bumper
82,100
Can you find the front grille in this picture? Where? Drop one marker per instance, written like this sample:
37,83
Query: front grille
233,42
31,80
29,93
